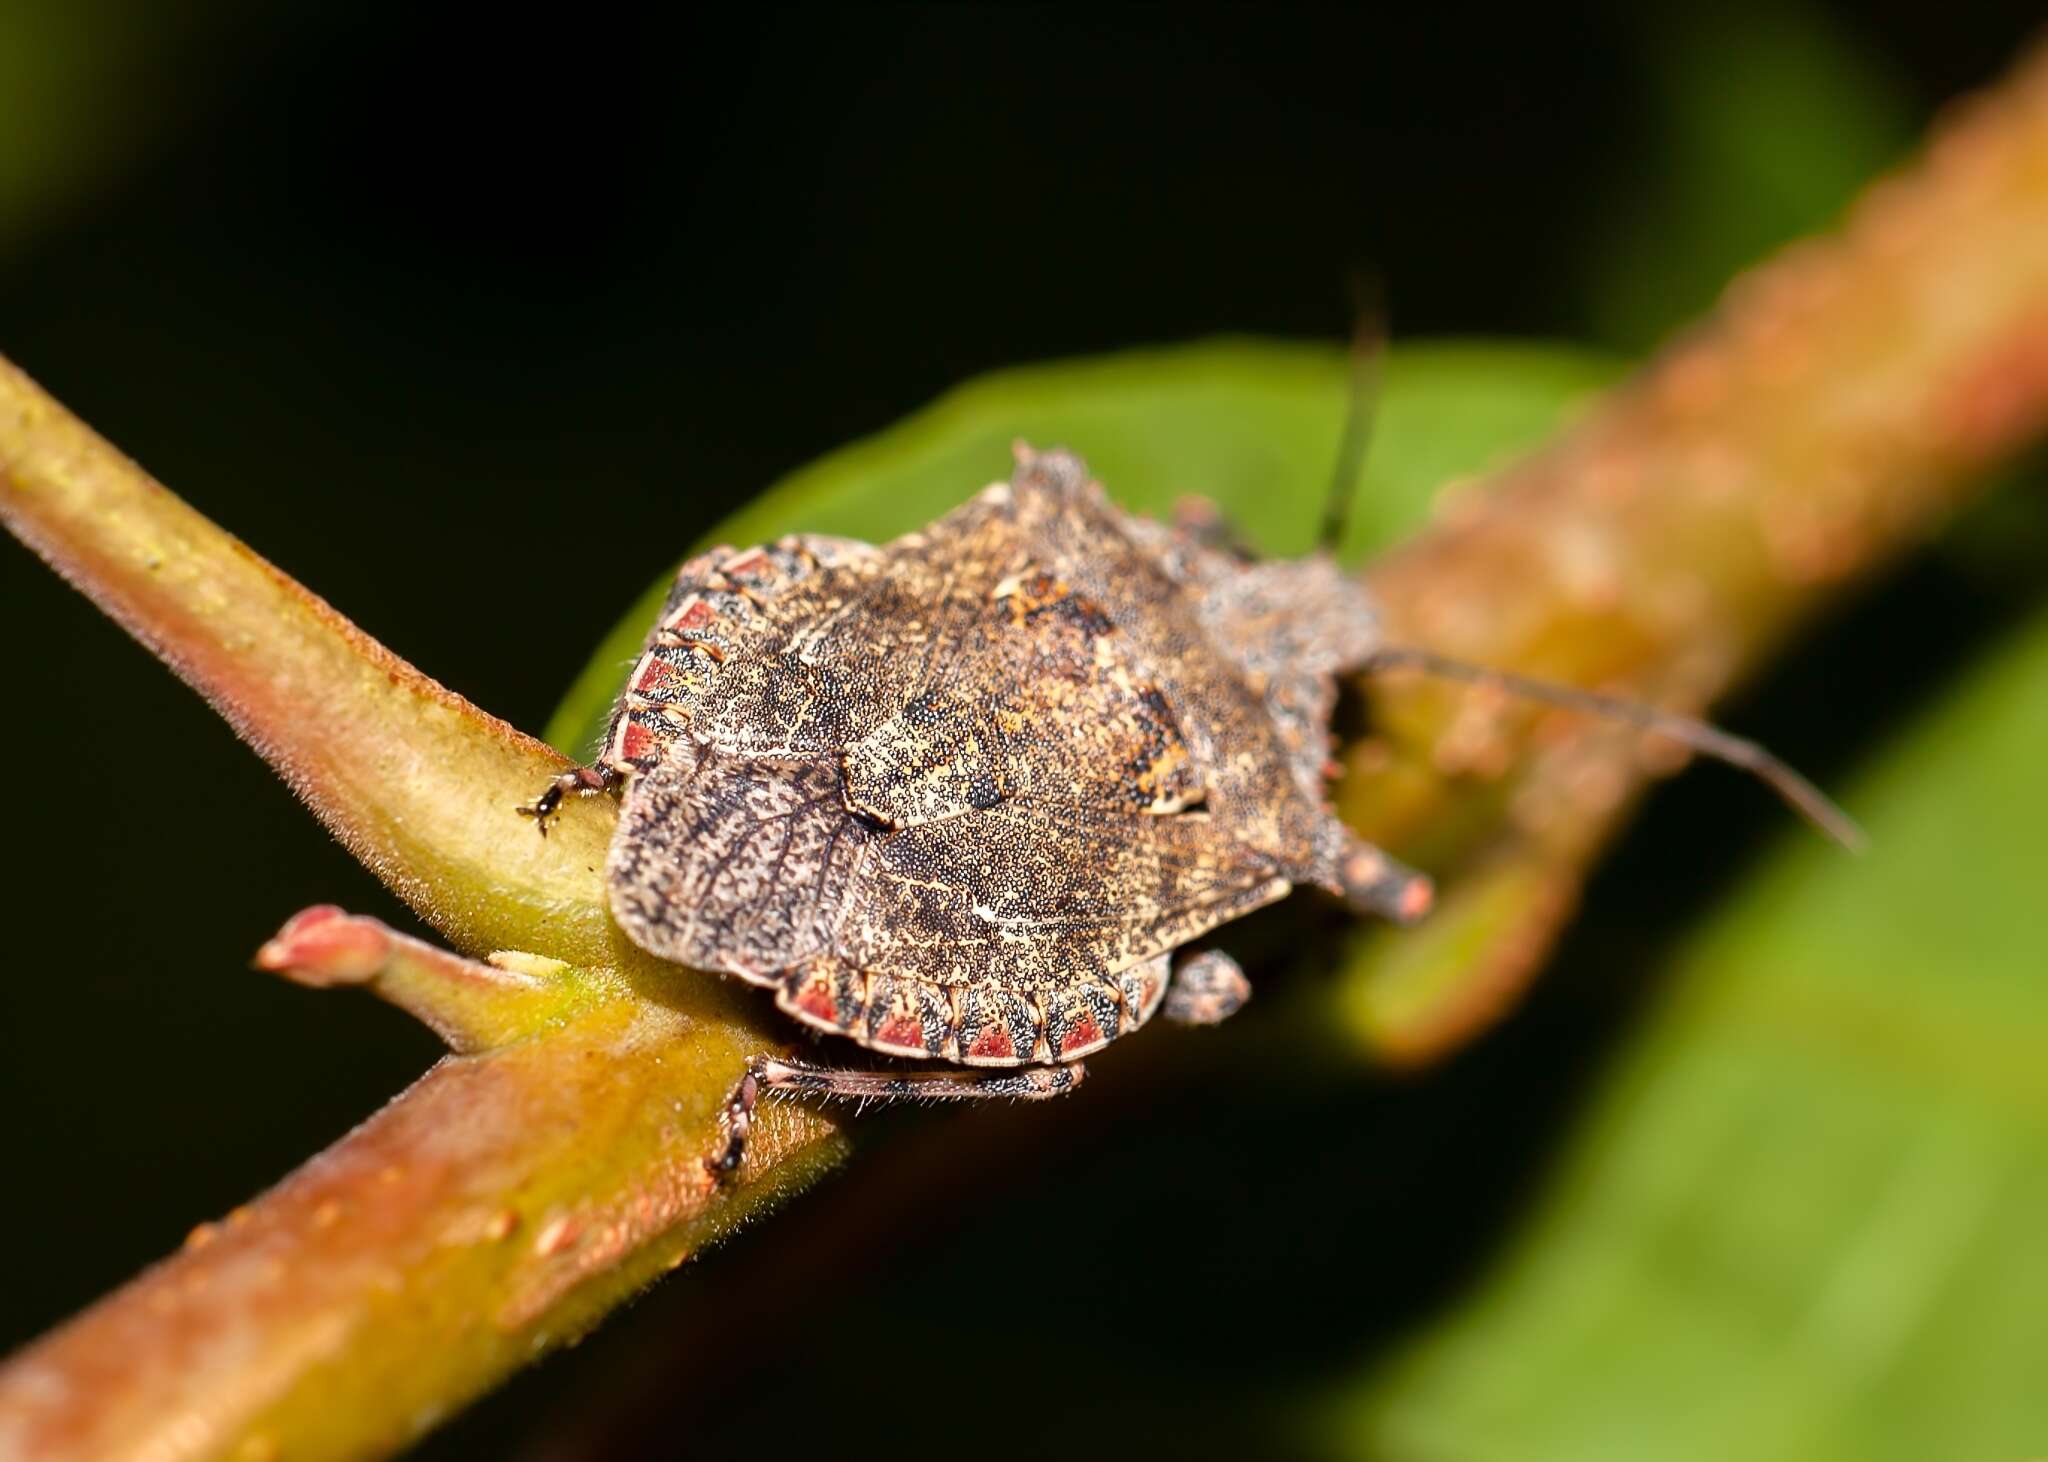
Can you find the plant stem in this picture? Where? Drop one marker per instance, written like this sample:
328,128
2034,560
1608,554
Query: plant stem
1845,399
498,1207
418,783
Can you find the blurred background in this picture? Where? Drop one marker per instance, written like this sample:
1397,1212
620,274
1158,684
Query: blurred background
473,324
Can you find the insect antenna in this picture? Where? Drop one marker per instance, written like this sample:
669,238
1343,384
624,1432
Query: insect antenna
1368,359
1798,793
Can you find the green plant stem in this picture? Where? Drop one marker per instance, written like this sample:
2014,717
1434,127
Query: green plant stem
472,1006
418,783
509,1198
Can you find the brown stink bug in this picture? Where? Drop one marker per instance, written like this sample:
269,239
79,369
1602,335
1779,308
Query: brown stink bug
961,797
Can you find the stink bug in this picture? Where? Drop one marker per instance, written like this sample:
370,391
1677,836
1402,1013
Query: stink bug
961,797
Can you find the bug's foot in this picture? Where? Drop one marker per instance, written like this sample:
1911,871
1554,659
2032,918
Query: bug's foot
739,1126
1207,988
577,779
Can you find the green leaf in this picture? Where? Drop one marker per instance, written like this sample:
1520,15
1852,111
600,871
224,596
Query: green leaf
1252,426
1804,1218
98,86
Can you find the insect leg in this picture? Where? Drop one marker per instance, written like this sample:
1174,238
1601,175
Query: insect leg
1206,989
1022,1083
599,778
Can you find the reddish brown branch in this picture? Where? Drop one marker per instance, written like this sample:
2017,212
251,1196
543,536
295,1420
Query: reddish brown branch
497,1208
1845,399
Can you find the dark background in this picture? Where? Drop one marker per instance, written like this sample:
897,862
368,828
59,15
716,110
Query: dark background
473,324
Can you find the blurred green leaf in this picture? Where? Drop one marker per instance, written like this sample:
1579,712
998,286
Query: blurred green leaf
1766,120
91,87
1803,1218
1252,426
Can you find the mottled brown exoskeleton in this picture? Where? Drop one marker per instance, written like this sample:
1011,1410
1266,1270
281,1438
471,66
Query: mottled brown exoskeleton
962,796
